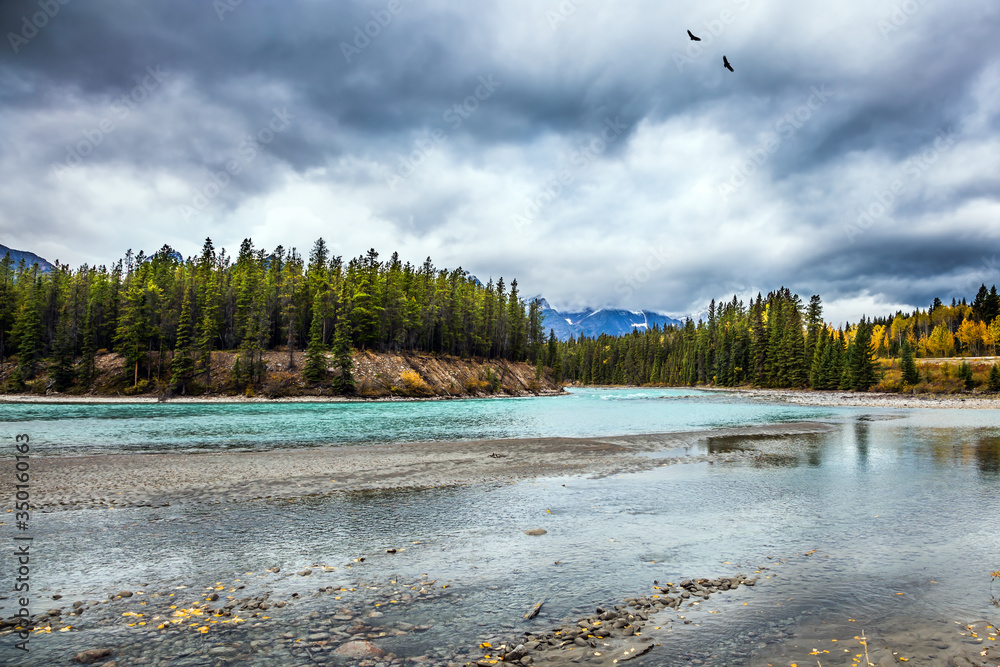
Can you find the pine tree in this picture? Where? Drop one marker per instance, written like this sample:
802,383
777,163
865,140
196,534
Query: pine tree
8,301
343,383
61,369
994,379
88,362
907,365
814,327
28,331
208,327
965,374
182,365
863,361
133,328
821,354
316,361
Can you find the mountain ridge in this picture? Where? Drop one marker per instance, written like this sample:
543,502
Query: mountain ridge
594,322
28,257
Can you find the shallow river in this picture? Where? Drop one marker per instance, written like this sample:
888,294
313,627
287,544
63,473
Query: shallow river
890,523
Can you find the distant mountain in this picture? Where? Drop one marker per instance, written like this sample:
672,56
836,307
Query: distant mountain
28,257
593,323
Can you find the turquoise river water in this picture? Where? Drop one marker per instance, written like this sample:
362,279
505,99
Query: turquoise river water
891,521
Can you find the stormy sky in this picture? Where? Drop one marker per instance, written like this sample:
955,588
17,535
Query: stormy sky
589,149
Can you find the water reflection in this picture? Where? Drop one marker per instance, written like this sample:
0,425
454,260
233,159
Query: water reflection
988,456
862,443
979,448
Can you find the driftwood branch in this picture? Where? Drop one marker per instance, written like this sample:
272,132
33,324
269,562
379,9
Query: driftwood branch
534,610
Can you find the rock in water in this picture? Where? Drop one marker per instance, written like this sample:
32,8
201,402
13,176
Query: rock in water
535,531
359,650
92,656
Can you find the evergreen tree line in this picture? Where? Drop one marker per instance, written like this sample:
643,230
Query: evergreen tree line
772,342
166,315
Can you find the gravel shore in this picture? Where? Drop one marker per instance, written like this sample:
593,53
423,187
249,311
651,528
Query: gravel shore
135,480
865,399
796,396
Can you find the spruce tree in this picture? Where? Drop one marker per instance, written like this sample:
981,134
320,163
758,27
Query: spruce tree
88,352
61,369
863,362
907,365
994,379
814,327
343,383
846,368
965,374
316,361
821,353
182,365
28,330
133,328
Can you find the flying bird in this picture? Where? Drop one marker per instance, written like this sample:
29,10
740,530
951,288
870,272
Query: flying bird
693,38
725,63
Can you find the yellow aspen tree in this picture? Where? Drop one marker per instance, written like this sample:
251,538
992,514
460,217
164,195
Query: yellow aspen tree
993,334
941,342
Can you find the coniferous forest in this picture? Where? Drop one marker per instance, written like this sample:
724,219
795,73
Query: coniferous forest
778,341
165,315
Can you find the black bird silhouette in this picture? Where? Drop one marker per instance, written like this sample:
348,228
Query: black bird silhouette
725,63
693,38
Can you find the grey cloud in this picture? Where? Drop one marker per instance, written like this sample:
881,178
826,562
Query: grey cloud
891,94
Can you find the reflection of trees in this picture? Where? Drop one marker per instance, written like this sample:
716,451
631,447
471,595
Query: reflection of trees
979,447
862,441
814,456
988,456
775,449
726,444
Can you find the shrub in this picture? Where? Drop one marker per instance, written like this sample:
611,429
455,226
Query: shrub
140,388
889,385
414,385
493,379
475,386
280,384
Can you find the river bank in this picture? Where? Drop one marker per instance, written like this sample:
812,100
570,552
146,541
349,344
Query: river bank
864,399
377,376
138,480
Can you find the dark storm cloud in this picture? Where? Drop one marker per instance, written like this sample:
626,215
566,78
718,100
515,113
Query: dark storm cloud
391,137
